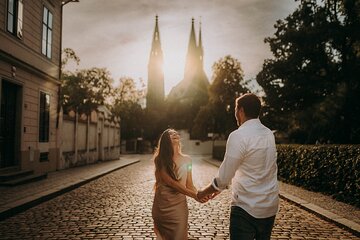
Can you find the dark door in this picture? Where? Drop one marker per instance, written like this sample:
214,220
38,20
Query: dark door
8,124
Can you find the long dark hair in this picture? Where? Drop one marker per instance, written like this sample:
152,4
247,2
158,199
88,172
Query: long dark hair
163,156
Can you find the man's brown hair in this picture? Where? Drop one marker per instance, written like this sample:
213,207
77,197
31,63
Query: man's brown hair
250,103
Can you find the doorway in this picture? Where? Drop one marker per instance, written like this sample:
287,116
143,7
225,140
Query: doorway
10,120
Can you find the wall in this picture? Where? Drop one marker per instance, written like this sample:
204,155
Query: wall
194,146
85,141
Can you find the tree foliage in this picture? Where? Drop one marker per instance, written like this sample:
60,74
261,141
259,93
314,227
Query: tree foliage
126,104
312,83
83,90
227,81
227,84
128,90
86,89
67,55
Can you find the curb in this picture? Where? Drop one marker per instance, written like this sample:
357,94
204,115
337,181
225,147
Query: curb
344,223
341,222
29,202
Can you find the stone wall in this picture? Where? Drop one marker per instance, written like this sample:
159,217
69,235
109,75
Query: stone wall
87,140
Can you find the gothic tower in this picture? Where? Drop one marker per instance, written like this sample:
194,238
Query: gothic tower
195,82
192,55
186,98
155,91
201,50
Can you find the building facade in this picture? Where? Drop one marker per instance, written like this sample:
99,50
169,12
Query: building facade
30,54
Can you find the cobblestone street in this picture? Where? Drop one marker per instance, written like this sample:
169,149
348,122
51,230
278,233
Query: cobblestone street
118,206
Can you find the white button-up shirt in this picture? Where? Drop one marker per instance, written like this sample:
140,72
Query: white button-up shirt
250,162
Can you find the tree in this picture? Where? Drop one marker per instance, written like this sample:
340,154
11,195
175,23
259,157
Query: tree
85,90
126,100
204,123
311,85
129,91
68,54
155,122
227,84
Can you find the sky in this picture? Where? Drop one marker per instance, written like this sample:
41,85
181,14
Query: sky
117,34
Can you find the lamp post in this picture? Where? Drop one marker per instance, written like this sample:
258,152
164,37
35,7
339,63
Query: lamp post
63,3
59,103
211,135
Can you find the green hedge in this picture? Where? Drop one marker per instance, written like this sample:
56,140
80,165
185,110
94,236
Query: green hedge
330,169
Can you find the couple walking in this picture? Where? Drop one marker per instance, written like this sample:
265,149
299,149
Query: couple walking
249,164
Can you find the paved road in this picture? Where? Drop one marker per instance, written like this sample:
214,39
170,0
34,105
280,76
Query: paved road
118,206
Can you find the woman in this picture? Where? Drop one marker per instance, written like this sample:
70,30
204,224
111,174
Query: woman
173,184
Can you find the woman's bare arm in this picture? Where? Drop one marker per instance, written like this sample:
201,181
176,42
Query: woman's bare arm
177,185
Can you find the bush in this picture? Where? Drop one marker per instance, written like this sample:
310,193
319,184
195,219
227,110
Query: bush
330,169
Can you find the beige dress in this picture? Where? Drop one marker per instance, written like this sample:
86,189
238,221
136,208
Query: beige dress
170,210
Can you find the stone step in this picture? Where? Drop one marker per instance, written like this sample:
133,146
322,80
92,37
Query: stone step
9,169
24,179
14,174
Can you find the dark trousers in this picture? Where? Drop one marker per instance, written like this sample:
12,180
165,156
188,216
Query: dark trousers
243,226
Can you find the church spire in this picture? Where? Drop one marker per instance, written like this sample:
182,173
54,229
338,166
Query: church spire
190,64
155,90
192,40
192,92
156,43
200,41
200,47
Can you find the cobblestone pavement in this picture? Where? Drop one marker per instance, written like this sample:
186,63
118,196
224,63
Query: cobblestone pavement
118,206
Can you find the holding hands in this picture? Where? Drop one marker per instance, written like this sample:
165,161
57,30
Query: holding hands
206,194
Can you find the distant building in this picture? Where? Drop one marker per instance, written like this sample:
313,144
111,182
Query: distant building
30,52
186,98
195,82
155,91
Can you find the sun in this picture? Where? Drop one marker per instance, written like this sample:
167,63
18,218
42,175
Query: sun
174,65
174,48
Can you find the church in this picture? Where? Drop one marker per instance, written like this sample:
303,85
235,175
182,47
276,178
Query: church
190,93
195,80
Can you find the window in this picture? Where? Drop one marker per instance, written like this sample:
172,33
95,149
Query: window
15,17
44,117
47,32
44,157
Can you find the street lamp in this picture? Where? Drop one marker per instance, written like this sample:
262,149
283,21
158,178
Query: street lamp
67,1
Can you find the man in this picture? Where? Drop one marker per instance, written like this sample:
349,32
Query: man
250,162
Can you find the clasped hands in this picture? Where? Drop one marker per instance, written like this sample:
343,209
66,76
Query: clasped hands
204,195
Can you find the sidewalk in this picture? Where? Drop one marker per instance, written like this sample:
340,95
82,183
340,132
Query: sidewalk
17,199
341,214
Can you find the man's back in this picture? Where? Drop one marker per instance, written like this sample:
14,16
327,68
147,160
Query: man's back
255,187
250,164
